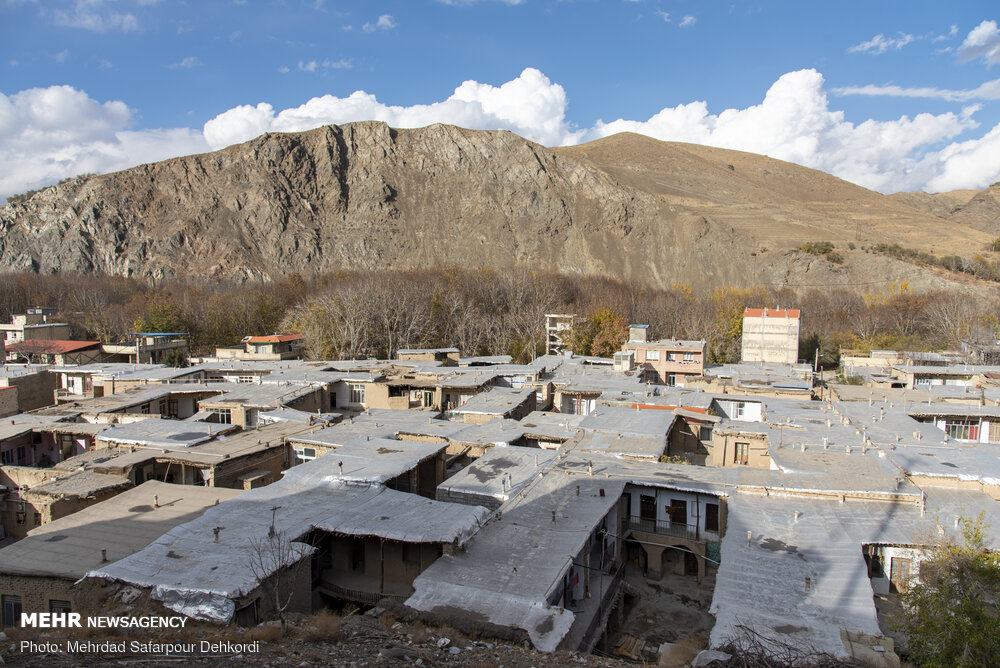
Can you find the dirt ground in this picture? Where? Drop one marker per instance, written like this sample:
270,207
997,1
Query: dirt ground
673,609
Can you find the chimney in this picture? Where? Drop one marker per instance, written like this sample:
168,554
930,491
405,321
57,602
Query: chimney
637,333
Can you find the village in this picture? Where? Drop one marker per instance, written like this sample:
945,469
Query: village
635,505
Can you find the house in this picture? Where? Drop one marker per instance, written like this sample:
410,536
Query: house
26,387
770,335
198,453
33,325
272,347
496,402
341,531
53,351
37,574
27,507
447,356
668,361
147,348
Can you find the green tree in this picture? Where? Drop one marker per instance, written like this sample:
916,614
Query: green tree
951,617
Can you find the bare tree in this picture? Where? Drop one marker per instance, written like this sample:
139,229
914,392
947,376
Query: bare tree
271,560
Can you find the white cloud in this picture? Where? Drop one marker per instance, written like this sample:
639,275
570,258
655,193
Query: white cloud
688,20
46,134
92,15
49,133
879,44
384,22
986,91
664,15
316,65
61,57
186,63
982,42
951,33
283,70
529,105
794,123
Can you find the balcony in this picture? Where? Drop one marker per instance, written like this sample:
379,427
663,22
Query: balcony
663,528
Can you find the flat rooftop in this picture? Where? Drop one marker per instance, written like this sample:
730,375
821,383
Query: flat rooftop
161,433
122,525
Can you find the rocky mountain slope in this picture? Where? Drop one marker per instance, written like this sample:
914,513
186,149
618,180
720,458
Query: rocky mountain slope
367,196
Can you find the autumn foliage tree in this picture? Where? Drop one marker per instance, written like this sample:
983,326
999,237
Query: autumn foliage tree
951,617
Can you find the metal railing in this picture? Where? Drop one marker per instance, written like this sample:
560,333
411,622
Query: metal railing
358,596
664,527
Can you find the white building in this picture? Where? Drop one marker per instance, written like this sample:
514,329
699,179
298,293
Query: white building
771,335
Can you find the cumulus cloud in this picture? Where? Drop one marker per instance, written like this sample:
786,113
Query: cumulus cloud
983,42
794,122
46,134
879,44
688,20
529,105
49,133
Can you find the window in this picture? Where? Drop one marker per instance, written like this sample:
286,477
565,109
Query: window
742,454
22,455
357,394
705,433
221,415
739,410
163,407
688,357
303,454
11,610
7,457
653,355
60,606
671,357
962,429
38,519
712,517
245,379
144,409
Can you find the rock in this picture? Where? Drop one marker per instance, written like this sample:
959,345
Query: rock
443,642
454,650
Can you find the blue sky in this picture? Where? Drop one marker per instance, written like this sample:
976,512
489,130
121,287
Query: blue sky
891,94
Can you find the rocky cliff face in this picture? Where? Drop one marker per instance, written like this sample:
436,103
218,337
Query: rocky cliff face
367,196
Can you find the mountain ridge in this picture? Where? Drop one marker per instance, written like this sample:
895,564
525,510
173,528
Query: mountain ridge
366,196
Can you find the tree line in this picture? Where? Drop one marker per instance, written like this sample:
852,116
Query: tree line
361,314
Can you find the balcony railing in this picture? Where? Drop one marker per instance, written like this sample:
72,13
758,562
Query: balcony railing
664,527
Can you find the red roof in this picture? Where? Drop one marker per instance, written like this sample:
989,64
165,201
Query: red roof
50,346
771,313
277,338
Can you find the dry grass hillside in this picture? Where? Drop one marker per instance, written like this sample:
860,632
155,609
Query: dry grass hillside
780,204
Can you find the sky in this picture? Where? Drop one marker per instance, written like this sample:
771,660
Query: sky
891,94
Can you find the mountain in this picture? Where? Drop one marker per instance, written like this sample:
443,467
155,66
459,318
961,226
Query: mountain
366,196
976,209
